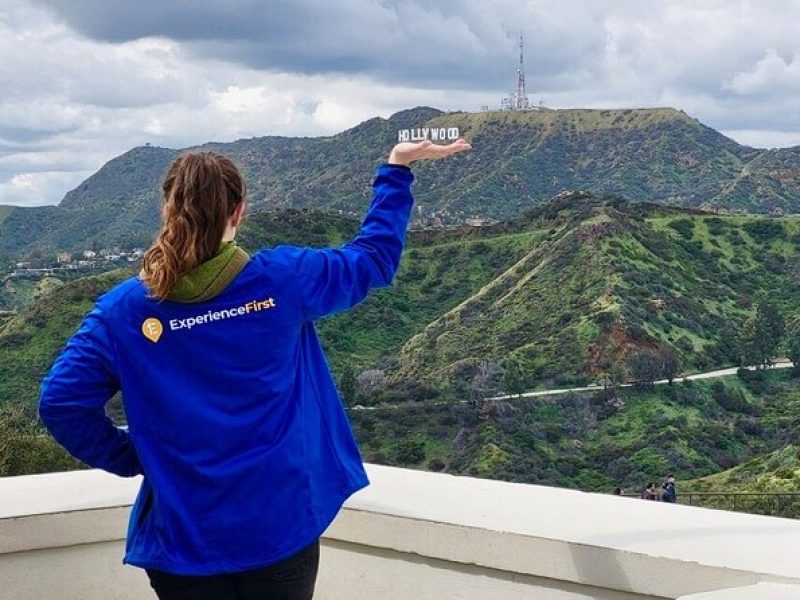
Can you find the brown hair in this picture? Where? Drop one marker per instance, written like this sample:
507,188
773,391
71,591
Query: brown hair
201,191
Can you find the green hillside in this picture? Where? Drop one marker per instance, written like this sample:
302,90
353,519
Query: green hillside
567,292
777,471
768,484
18,292
596,442
519,160
593,282
30,341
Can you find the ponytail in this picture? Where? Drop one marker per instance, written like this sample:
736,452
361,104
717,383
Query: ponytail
201,191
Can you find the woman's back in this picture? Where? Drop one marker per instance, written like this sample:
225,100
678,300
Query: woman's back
233,415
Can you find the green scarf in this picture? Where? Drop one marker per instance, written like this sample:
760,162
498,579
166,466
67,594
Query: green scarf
210,278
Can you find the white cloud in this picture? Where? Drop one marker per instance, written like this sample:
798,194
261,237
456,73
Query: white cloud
72,101
770,74
31,189
764,138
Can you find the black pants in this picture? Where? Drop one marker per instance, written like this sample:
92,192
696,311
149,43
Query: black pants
292,579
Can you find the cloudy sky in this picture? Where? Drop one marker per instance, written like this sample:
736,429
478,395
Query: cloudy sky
82,81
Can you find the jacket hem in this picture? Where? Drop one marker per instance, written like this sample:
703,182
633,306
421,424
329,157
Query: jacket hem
221,568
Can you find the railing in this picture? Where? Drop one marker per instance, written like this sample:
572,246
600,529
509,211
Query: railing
771,504
774,504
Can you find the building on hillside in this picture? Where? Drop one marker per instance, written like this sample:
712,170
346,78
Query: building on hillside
64,257
89,254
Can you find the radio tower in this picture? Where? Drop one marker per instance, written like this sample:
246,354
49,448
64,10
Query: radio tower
519,99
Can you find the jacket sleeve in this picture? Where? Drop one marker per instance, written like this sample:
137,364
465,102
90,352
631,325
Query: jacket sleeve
335,279
73,397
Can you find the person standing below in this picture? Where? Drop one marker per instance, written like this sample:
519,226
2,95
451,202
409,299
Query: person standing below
650,492
234,419
670,491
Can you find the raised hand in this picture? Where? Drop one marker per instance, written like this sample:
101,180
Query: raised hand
405,153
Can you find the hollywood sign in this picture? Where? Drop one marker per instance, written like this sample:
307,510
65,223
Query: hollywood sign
434,134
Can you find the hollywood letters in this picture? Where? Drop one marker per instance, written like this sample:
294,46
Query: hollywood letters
435,134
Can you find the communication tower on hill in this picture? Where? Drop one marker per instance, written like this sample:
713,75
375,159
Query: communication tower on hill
519,99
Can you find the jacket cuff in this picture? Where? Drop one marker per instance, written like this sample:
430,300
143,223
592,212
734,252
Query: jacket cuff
393,166
399,173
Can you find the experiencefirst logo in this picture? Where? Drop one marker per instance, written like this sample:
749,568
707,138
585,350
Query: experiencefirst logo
434,134
152,327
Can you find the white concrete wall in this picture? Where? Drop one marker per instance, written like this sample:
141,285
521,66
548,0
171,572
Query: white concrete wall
420,536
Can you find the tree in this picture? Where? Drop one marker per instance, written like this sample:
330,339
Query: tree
772,324
761,335
348,385
514,377
747,343
409,451
371,380
645,367
670,363
792,343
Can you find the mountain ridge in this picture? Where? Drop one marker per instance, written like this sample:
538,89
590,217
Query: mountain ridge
519,160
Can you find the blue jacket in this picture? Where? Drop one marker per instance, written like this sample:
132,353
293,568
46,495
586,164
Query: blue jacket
234,419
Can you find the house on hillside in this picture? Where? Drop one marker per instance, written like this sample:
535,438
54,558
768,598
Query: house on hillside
64,257
89,254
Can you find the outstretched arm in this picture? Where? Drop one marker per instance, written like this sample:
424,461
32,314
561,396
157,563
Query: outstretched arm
335,279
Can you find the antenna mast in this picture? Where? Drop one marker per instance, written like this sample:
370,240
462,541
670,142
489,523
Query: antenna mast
520,98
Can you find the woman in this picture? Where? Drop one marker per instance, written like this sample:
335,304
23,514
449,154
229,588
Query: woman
233,416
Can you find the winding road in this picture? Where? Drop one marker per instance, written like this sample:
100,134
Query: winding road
779,364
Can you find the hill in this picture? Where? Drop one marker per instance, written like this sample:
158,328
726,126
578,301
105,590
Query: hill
567,290
567,293
768,484
573,291
520,159
595,441
775,472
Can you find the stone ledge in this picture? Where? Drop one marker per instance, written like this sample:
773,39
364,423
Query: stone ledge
622,545
759,591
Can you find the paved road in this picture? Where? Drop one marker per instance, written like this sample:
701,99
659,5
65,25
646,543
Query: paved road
779,364
782,364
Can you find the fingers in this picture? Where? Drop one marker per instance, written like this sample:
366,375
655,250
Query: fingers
406,152
460,145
